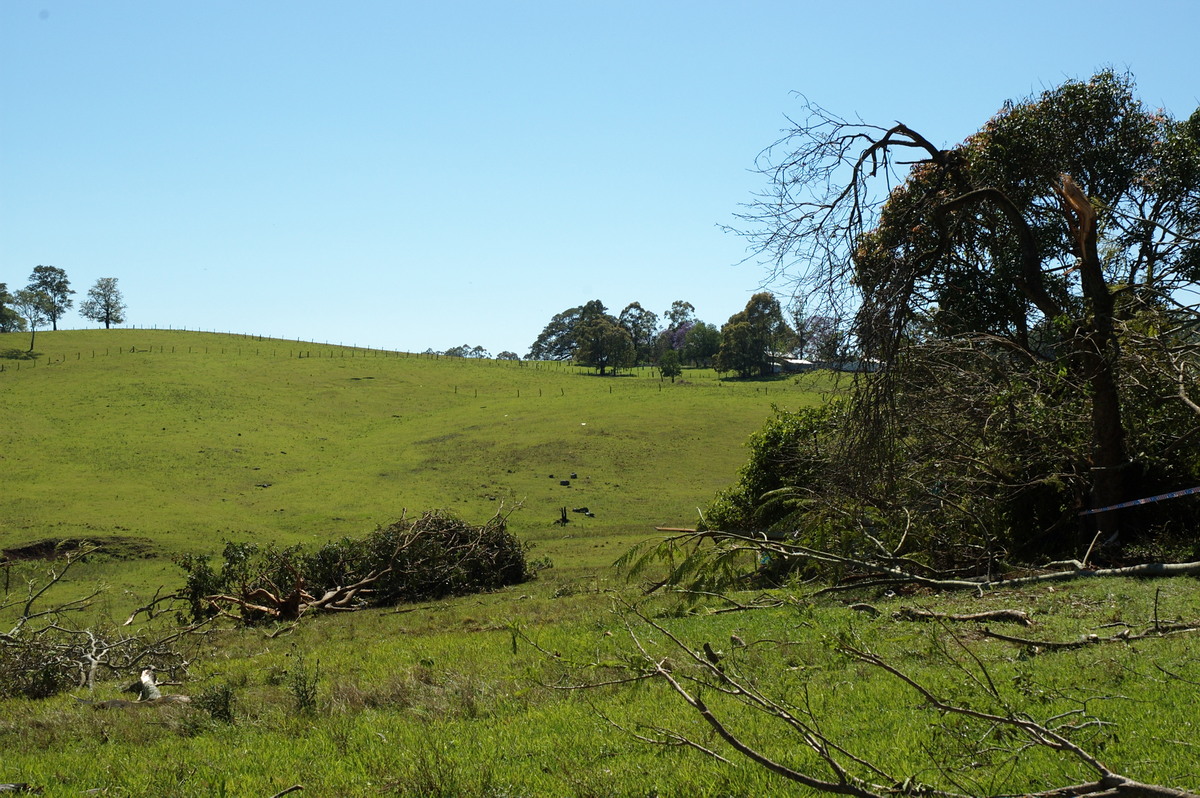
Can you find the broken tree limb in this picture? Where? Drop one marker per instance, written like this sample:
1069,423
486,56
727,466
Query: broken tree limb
684,544
998,616
1124,636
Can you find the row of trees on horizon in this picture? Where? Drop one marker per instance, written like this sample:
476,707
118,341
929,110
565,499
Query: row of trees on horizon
587,334
746,344
47,298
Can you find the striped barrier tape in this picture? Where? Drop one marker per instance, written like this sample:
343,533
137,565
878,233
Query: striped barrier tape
1173,494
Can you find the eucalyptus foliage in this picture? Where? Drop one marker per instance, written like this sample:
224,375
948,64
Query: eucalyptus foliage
1028,291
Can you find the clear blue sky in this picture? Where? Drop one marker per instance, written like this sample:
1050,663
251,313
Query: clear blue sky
411,175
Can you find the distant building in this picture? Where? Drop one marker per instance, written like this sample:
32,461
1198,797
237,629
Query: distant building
795,365
798,365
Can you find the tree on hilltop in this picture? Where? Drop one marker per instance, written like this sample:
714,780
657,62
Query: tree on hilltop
10,320
751,336
679,314
36,307
466,350
642,326
104,303
701,343
52,281
559,338
604,344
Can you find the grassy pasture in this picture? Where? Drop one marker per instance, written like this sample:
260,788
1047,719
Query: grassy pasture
169,441
161,444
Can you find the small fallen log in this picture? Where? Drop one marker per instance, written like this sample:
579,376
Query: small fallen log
997,616
1123,636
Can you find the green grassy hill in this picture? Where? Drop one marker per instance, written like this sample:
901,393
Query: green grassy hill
165,442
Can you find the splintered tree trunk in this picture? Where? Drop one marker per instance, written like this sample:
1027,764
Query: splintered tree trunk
1097,347
1108,445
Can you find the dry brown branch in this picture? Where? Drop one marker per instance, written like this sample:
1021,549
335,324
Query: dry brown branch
150,608
1107,783
1124,636
44,654
762,602
291,606
289,790
999,616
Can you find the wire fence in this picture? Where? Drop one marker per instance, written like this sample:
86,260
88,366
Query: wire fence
13,360
297,348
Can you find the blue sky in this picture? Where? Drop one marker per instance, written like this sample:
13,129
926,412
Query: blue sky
413,175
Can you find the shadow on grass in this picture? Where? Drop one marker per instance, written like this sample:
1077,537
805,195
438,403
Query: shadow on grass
19,354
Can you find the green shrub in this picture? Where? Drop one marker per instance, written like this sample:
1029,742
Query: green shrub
219,701
788,455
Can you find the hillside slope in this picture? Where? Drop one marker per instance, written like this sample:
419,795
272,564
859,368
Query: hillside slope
170,441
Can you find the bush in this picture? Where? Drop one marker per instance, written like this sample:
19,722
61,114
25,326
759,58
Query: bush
27,670
788,456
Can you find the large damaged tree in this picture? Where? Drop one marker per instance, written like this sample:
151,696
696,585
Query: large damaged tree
1030,293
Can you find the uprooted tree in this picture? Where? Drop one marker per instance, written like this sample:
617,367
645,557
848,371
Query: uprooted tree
1027,292
436,555
48,645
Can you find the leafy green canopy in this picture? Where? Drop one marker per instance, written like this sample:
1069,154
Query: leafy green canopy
752,336
52,281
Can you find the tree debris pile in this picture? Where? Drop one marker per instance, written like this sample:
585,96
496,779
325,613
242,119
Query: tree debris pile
46,647
435,556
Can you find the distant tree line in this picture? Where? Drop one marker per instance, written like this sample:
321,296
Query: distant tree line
466,350
48,296
747,345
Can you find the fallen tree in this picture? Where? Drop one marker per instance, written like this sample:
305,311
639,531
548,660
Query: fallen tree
713,560
434,556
